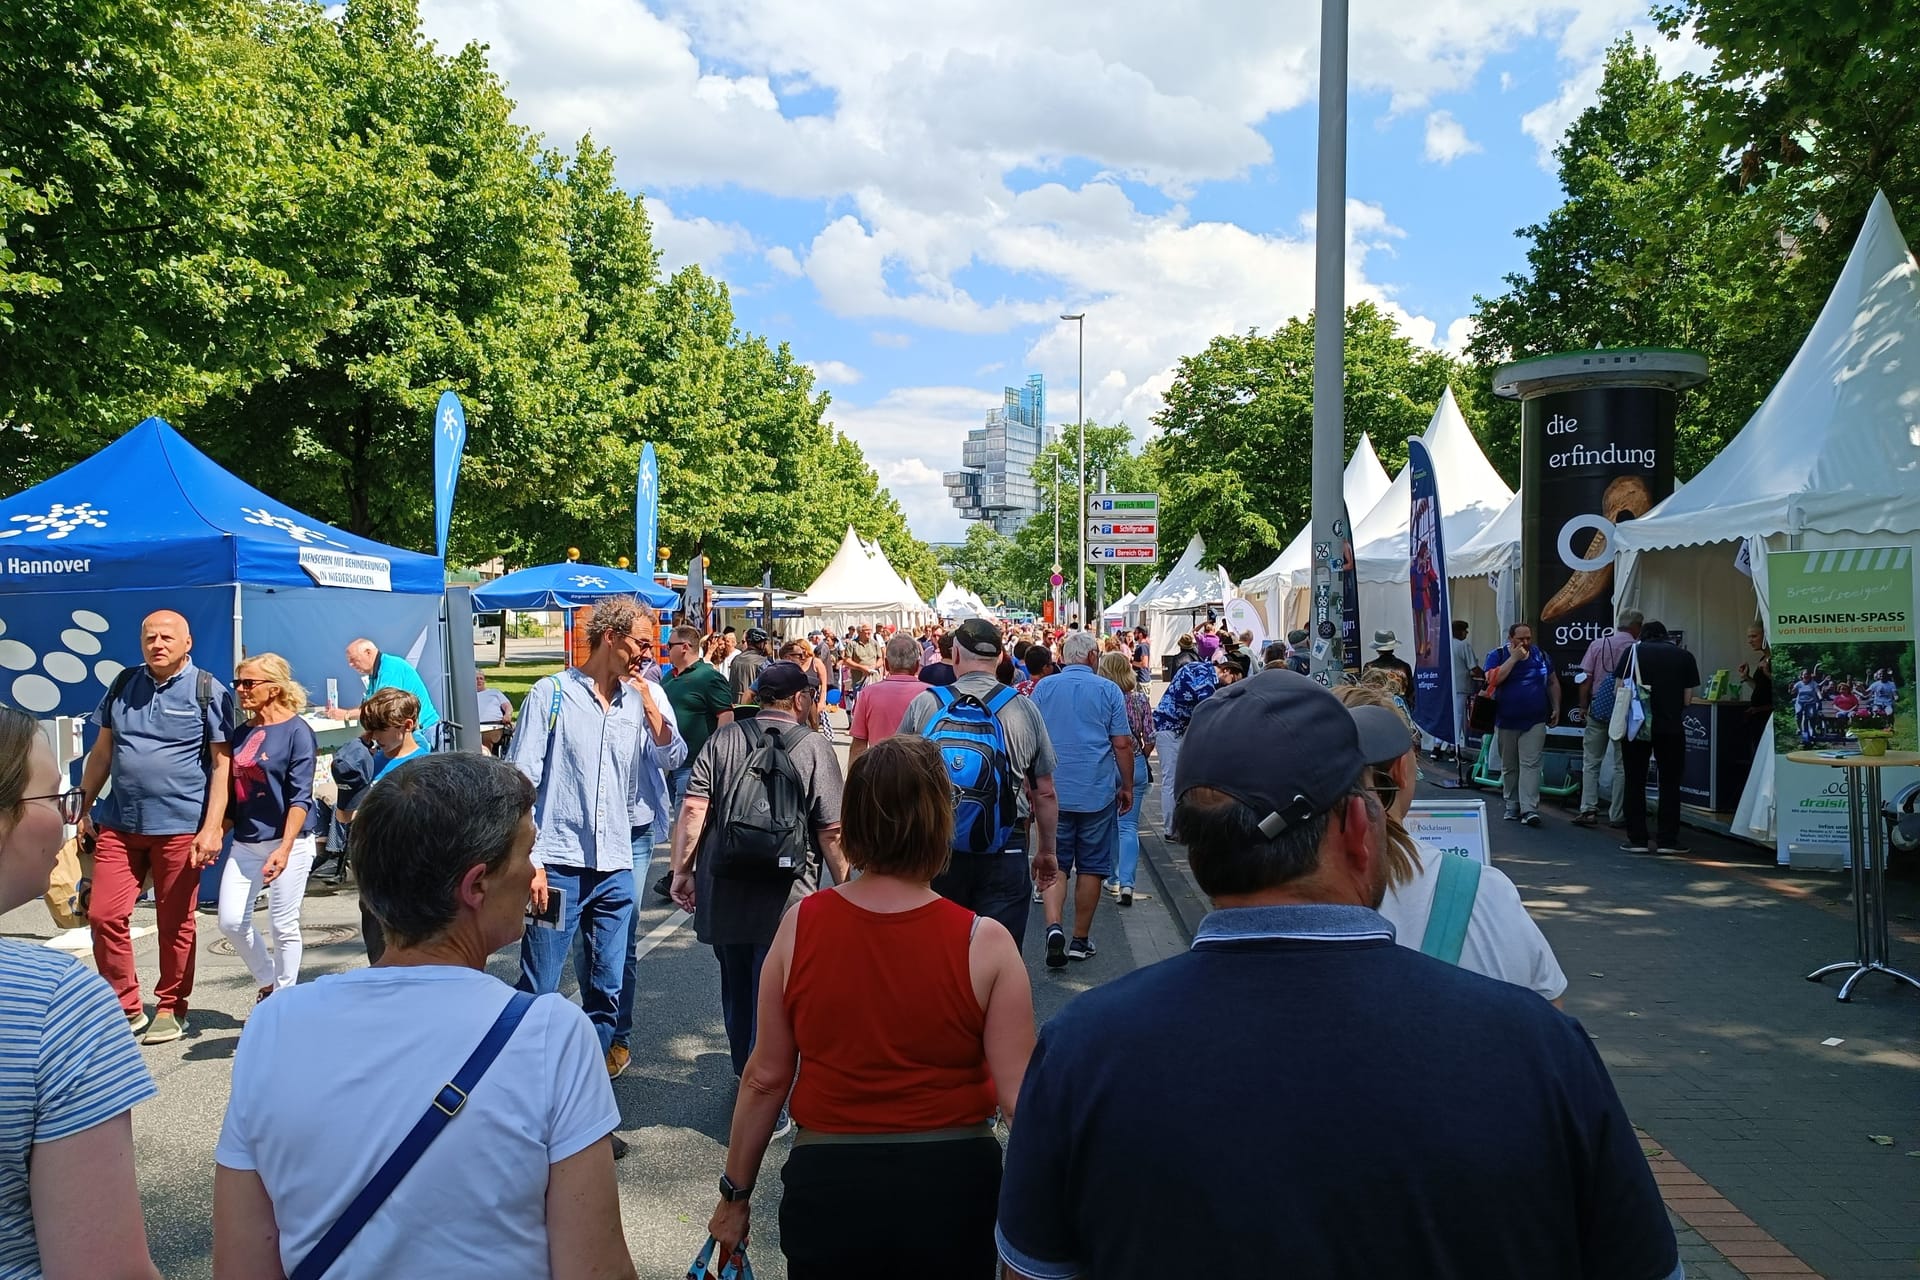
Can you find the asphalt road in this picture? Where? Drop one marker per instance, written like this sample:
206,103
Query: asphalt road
675,1100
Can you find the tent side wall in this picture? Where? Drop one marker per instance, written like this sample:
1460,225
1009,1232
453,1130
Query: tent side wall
63,648
310,627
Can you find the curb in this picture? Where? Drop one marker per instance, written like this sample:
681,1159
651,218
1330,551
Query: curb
1167,863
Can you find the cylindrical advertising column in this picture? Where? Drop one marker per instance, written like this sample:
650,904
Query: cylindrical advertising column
1596,449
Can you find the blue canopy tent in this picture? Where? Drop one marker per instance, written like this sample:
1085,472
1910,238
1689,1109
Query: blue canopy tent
569,585
152,523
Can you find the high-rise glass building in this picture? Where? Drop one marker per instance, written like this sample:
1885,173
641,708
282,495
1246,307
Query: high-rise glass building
996,478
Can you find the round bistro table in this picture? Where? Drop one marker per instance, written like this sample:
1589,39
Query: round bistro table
1868,862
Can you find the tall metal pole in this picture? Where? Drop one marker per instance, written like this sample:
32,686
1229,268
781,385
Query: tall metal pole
1057,619
1100,577
1080,389
1329,335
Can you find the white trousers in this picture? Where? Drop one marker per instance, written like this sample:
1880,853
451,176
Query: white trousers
1166,753
240,883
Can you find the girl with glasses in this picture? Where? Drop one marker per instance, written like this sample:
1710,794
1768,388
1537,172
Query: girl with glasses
71,1072
273,820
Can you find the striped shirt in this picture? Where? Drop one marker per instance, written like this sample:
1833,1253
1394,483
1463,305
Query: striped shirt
67,1063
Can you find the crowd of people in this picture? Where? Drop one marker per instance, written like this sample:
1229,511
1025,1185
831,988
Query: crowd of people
868,926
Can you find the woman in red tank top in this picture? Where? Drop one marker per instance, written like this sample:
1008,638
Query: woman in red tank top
907,1020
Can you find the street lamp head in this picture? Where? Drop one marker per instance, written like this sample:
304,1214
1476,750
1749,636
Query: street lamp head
1081,316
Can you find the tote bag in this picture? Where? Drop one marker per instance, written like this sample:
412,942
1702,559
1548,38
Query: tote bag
1632,706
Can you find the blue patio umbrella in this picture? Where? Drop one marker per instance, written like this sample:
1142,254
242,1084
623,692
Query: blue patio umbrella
569,585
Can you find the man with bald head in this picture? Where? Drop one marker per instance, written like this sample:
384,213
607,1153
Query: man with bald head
164,728
388,671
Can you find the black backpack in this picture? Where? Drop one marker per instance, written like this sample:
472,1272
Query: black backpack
762,831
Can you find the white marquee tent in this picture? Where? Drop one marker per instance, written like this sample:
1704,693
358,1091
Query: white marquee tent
1136,612
1831,458
1115,615
1484,578
958,603
1472,494
859,585
1362,485
1180,602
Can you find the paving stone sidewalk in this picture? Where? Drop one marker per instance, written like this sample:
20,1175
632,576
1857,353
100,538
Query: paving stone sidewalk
1689,973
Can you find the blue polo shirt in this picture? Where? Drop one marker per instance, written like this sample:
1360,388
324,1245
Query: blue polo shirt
158,781
1521,701
1083,712
1327,1104
397,673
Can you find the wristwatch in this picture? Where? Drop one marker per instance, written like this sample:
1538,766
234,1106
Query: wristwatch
732,1194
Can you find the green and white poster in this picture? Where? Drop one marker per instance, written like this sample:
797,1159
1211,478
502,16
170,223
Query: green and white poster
1840,621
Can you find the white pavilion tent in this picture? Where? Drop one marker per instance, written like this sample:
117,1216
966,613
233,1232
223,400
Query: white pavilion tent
1115,615
1483,578
1180,602
1472,494
1136,614
1362,485
859,585
1830,458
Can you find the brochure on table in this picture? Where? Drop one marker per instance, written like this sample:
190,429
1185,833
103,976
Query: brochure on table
1845,615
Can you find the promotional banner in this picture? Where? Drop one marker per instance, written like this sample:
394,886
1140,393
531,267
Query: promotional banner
1590,458
1433,703
646,514
1242,617
449,442
1840,621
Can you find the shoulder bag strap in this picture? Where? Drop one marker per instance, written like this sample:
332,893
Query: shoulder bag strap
203,697
1452,907
446,1104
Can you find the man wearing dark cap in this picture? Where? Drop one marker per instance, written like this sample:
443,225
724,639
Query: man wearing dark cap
1327,1103
738,917
1299,654
746,665
996,883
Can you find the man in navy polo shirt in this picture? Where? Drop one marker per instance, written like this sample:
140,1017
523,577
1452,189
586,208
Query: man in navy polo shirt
1526,698
1326,1103
163,743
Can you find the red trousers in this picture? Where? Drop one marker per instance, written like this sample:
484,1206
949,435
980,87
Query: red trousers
121,860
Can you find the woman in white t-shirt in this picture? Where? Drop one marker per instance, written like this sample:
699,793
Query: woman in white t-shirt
331,1074
1502,941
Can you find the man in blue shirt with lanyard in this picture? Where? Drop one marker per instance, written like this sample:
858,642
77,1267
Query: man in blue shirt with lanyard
386,671
1326,1102
1526,698
579,741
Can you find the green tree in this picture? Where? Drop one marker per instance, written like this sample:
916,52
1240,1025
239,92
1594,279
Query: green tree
1234,454
1030,560
979,564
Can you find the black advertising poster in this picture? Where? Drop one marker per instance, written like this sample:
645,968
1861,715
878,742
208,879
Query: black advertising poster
1589,460
1696,776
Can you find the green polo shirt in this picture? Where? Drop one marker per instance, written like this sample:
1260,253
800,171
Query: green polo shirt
699,694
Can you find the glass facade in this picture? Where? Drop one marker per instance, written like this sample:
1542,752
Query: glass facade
996,478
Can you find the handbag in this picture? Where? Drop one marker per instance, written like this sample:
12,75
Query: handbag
1632,719
733,1267
63,895
447,1103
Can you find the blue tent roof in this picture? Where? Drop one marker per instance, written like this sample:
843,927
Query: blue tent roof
151,510
569,585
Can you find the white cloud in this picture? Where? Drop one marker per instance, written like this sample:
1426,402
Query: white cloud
1459,334
1585,44
897,341
1447,139
912,434
685,241
1506,81
835,371
781,259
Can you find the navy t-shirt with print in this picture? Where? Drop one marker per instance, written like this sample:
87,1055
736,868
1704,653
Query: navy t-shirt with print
272,771
1521,699
1327,1107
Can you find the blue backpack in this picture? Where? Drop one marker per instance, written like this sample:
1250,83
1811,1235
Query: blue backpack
968,735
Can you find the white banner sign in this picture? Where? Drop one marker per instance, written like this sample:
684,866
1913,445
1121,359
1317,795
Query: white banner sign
1242,616
1452,826
343,569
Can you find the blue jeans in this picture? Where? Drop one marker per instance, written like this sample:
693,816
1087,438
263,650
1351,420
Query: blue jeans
1129,860
599,910
623,1016
663,822
1089,842
740,965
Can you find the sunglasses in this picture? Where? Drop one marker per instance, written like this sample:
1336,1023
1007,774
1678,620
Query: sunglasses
67,802
1385,787
249,684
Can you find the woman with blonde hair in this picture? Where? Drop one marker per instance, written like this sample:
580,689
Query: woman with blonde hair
1118,667
1501,940
272,816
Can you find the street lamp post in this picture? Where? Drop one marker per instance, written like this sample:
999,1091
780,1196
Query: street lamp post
1080,392
1329,334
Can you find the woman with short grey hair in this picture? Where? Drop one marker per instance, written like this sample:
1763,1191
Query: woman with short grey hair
335,1081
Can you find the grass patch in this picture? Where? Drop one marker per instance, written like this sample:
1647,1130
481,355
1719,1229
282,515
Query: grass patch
516,678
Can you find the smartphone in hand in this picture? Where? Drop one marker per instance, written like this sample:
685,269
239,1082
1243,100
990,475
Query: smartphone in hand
555,912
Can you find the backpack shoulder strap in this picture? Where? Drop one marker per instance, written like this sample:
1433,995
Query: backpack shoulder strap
203,696
553,707
447,1103
1453,901
944,695
999,699
114,690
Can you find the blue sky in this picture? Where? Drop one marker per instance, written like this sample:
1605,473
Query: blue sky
910,194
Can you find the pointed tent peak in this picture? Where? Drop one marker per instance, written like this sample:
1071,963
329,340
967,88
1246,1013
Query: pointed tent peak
1835,446
1365,452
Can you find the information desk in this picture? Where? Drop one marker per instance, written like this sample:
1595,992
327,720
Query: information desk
1869,861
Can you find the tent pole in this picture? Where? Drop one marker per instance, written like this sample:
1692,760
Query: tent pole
238,651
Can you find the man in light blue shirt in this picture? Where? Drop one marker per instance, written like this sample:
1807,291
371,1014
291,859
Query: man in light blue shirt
579,741
388,671
1086,719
